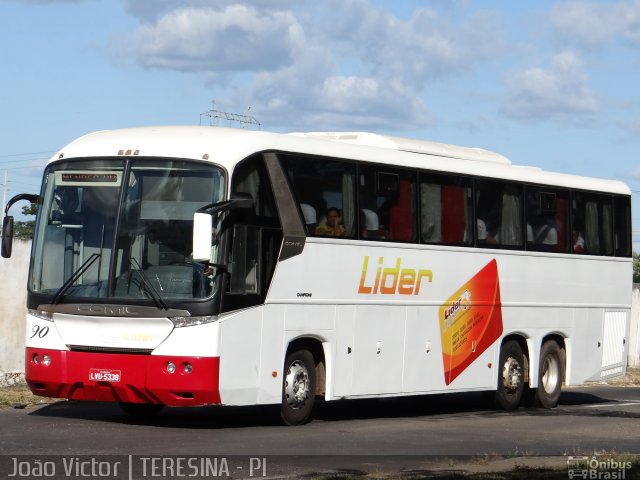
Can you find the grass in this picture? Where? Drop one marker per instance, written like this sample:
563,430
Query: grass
20,396
632,378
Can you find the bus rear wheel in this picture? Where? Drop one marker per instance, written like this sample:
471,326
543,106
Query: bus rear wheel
550,375
510,376
298,388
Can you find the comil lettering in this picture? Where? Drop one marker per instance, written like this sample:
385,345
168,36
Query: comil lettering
392,280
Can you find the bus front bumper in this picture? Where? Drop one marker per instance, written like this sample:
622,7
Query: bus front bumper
120,377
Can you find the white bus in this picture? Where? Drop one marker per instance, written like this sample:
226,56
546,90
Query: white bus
185,266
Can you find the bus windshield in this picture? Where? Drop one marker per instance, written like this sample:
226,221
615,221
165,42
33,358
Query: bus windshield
122,229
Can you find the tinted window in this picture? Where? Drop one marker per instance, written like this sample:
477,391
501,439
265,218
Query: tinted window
446,209
547,219
325,190
592,224
498,214
622,226
387,204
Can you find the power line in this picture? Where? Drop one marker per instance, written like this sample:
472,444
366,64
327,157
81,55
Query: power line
25,154
23,160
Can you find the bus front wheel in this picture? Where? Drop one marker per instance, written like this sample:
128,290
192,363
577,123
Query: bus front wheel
510,376
298,388
550,375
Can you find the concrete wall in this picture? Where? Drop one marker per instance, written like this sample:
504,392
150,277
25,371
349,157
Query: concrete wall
634,334
13,286
13,300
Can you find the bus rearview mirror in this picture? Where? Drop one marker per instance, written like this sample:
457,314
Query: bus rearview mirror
7,236
202,236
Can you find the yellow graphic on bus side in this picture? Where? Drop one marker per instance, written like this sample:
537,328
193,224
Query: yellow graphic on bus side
391,280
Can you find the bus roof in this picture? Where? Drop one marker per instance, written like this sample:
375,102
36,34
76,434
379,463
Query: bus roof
228,146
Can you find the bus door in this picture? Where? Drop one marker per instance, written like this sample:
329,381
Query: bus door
253,236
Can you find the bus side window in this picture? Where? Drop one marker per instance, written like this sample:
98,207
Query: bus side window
592,223
499,214
402,212
445,209
387,204
546,218
323,186
622,226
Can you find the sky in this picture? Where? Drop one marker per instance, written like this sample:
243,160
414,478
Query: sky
551,84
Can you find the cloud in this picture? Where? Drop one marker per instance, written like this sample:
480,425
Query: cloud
425,47
595,23
298,98
44,2
152,10
559,91
633,174
234,39
632,126
344,63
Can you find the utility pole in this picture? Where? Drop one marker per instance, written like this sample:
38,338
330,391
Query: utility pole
5,189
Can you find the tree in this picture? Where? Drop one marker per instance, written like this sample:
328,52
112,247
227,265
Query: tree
24,230
636,267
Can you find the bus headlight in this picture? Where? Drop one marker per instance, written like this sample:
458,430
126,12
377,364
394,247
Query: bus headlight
171,367
46,360
179,322
48,316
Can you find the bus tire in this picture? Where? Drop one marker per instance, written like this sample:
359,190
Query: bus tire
550,375
510,376
141,410
298,388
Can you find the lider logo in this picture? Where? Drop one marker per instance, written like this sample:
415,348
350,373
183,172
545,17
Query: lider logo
391,280
457,307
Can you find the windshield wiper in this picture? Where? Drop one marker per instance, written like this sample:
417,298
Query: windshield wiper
75,276
148,287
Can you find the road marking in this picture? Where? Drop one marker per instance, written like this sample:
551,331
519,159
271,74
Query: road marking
613,404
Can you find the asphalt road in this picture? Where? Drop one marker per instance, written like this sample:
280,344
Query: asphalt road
355,436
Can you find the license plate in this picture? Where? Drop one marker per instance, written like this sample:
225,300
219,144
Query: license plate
104,375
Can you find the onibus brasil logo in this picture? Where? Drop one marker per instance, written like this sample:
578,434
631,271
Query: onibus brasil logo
597,468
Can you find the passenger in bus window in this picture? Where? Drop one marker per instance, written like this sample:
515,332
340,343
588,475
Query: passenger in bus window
487,235
309,214
545,237
370,225
578,241
332,225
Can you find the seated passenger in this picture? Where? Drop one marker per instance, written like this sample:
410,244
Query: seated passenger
369,224
578,241
546,236
486,235
309,214
332,225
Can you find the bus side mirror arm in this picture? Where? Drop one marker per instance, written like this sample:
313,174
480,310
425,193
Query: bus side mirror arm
7,222
203,224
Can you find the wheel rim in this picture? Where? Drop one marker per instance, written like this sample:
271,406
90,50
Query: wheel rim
550,374
296,385
511,375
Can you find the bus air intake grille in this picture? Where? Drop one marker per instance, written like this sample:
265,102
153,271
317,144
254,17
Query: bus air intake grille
90,349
